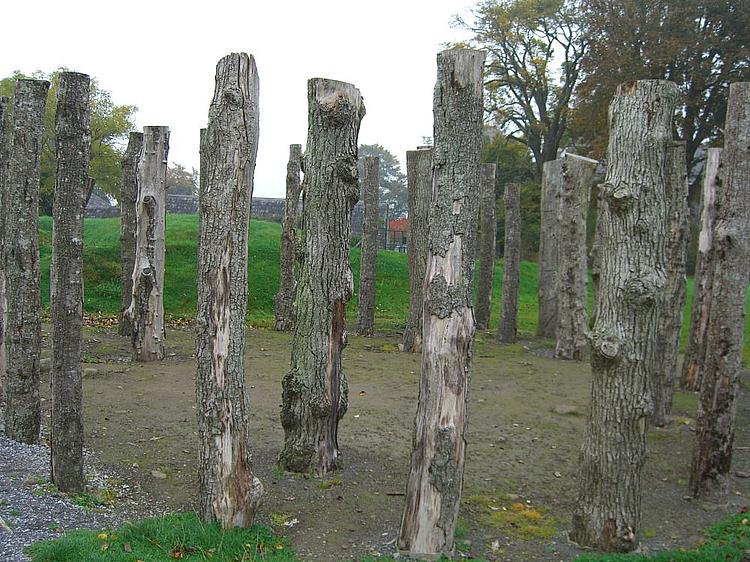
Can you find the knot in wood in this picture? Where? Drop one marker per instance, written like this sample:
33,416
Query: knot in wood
621,198
346,170
644,289
605,344
232,97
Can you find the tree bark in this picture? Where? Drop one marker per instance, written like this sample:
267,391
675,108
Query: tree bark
577,176
548,235
488,231
5,138
419,182
284,301
670,318
128,200
369,255
632,233
229,492
146,310
23,328
511,264
695,352
315,393
435,482
73,142
717,409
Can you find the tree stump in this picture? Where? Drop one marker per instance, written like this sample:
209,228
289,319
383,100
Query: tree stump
488,231
128,200
23,328
73,142
315,394
632,233
434,485
284,300
229,493
369,255
548,235
419,182
5,131
717,409
511,264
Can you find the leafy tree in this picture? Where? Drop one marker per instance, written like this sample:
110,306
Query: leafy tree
180,181
393,192
109,125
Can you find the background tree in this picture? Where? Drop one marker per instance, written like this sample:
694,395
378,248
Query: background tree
393,193
181,181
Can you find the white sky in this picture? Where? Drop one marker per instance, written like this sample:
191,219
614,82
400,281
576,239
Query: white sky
161,56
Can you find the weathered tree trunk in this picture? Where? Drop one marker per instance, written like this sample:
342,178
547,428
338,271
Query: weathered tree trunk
315,393
488,231
73,142
229,493
128,200
146,310
670,316
5,128
717,408
367,270
577,176
548,235
695,352
419,182
435,482
23,328
284,301
632,233
511,264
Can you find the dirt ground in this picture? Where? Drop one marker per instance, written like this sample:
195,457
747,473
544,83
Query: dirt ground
526,417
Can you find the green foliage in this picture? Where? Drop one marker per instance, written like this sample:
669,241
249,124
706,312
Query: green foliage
181,181
393,193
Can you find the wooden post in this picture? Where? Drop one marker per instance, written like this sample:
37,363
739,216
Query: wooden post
73,142
419,182
632,230
488,231
434,485
23,327
229,492
146,311
128,199
548,234
367,270
717,409
315,394
284,300
5,130
577,176
511,264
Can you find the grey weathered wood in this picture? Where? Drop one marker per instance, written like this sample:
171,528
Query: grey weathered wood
670,317
511,264
695,351
23,328
717,409
146,310
128,199
229,492
367,270
488,235
5,129
577,176
73,142
548,235
419,182
632,230
434,485
284,300
314,391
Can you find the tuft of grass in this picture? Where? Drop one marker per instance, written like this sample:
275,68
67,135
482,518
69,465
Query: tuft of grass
326,484
516,519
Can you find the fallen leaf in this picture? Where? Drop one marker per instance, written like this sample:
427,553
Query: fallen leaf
104,546
102,536
127,547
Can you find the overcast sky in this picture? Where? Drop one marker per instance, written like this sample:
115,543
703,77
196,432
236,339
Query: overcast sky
161,56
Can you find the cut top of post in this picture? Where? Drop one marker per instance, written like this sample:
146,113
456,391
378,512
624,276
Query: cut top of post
329,93
467,69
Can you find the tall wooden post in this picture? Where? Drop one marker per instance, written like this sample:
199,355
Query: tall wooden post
367,270
511,264
5,130
548,235
488,235
128,199
434,485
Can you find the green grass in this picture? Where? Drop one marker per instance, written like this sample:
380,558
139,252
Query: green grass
172,537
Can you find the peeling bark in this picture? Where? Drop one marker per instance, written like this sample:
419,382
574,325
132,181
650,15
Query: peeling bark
632,233
419,181
284,300
5,130
73,142
128,199
314,391
511,264
367,271
488,231
577,177
548,239
717,409
229,492
23,328
435,482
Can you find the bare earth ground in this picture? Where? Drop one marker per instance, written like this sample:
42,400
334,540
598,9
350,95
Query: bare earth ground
526,419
